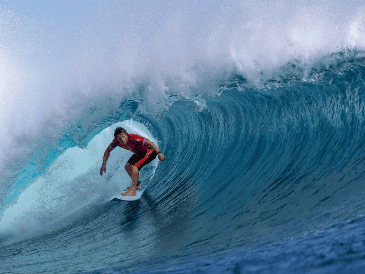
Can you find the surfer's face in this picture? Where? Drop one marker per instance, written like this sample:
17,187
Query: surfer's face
122,138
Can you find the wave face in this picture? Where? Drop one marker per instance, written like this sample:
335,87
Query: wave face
264,144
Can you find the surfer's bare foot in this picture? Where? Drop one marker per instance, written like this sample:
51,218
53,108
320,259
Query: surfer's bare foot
131,192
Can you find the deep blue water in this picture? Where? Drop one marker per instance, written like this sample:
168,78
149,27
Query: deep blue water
257,180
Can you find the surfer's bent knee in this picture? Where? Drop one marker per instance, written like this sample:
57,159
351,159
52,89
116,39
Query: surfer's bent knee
135,169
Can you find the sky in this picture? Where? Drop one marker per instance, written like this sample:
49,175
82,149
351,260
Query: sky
40,30
131,14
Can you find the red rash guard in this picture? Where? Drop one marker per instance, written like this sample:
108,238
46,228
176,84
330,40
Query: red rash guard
135,144
142,153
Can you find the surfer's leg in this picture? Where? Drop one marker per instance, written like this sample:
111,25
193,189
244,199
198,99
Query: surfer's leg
128,168
135,163
135,176
133,172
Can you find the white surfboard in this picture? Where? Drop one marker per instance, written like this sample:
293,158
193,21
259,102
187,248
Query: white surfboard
128,198
138,196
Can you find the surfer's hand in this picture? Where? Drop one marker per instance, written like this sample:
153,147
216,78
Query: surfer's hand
161,157
103,169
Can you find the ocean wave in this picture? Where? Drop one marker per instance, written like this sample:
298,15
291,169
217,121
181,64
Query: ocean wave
260,118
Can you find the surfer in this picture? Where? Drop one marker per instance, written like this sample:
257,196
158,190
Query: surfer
144,152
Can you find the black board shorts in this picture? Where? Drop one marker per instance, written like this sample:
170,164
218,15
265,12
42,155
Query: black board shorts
141,159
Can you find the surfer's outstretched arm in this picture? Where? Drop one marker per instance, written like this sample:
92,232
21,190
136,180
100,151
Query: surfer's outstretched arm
105,159
152,145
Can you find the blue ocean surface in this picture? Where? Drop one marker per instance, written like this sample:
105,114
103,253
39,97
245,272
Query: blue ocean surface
265,162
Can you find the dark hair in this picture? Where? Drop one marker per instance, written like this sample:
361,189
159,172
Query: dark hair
118,131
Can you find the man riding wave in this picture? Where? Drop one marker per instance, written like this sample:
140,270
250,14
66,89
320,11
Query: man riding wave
144,152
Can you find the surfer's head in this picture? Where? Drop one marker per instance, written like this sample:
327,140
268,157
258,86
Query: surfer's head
121,135
118,131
